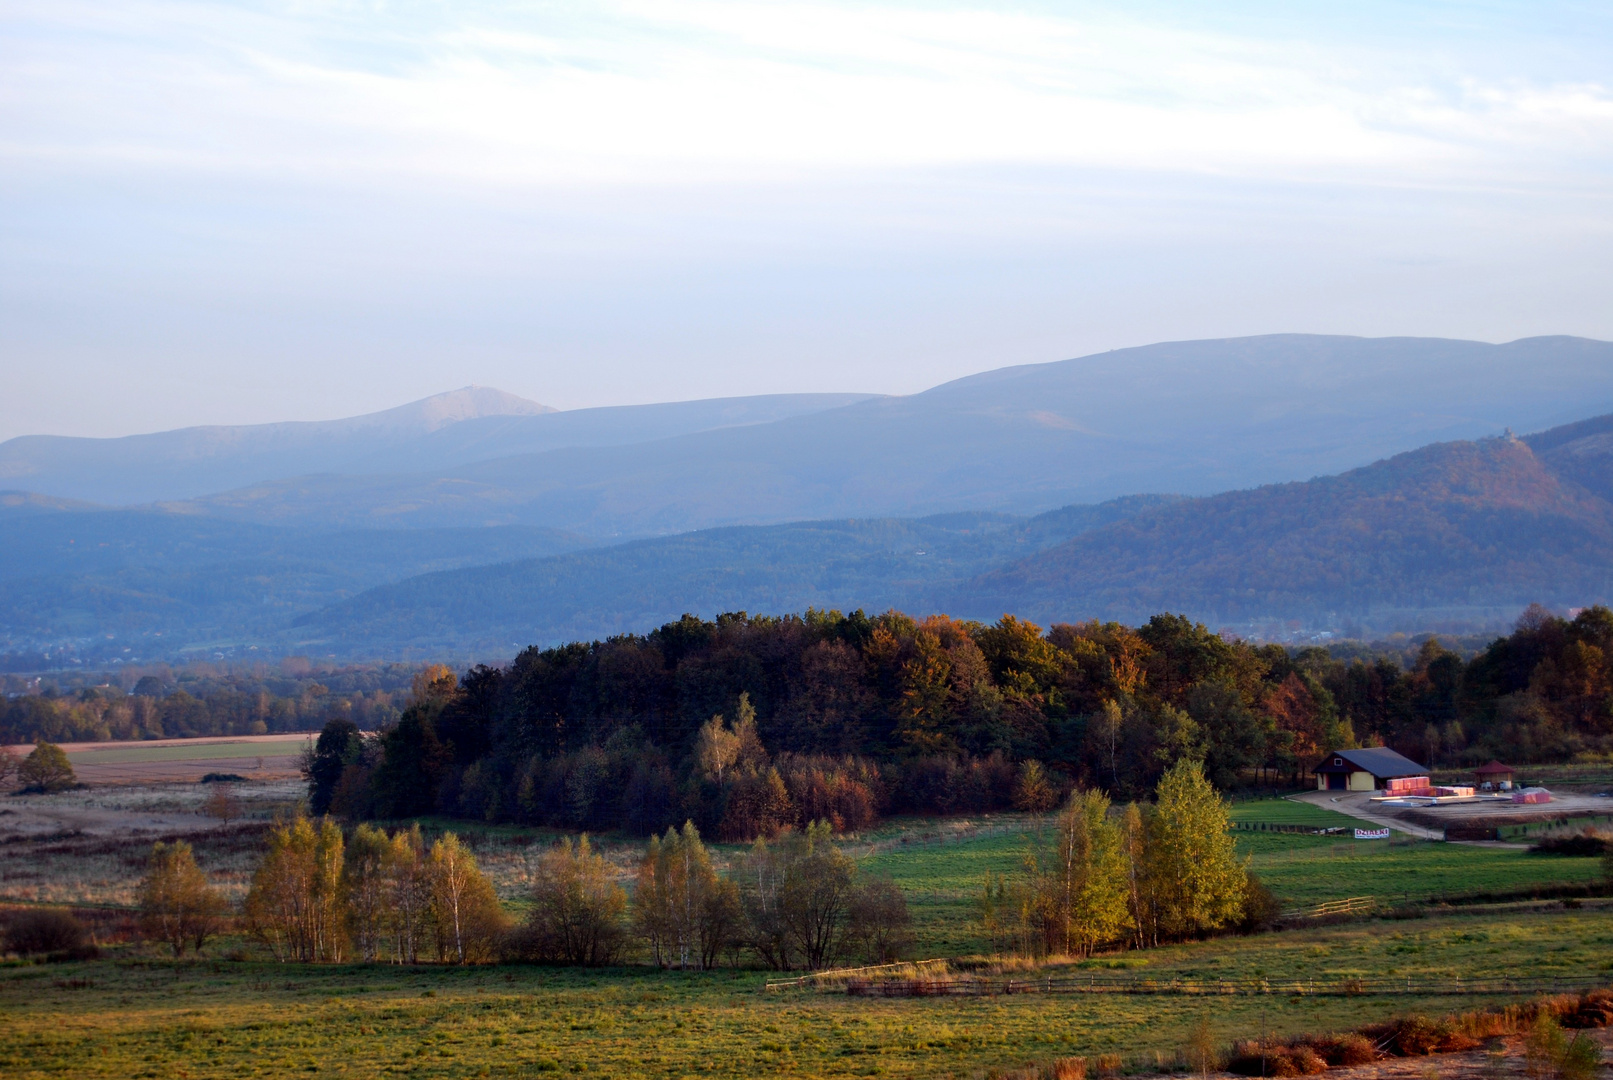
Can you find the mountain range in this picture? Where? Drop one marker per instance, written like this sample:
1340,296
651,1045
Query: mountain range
477,522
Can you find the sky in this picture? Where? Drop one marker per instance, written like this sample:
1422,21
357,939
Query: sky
256,211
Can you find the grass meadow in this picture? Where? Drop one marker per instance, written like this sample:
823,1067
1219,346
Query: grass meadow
139,1016
136,1013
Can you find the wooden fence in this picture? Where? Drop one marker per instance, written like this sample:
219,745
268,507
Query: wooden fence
916,969
1354,905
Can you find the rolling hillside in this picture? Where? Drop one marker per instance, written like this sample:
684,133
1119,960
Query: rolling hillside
871,564
1191,417
155,583
444,431
1461,534
1456,531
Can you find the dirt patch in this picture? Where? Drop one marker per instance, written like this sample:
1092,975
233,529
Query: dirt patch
90,846
1501,1058
255,757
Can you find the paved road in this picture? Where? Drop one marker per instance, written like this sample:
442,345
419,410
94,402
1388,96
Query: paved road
1357,804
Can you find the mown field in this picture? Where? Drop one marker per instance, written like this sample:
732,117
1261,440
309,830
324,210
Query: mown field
943,880
145,1017
136,1013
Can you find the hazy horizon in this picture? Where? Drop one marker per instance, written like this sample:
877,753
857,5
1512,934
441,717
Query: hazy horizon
243,213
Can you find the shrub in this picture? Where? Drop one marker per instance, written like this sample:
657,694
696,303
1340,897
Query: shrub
879,925
1586,842
1544,1048
1070,1068
47,931
1260,906
1415,1035
1581,1059
1109,1064
578,913
1348,1049
1593,1010
1249,1059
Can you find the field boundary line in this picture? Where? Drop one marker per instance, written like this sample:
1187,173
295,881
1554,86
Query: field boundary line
845,974
1365,986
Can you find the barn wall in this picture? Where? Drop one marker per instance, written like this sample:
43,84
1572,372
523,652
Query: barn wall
1362,781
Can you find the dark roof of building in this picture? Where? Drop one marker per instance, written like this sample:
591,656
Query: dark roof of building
1494,768
1380,761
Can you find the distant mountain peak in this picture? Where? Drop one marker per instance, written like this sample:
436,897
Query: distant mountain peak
440,410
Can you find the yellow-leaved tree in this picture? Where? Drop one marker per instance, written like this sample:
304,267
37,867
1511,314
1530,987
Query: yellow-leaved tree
295,903
465,911
684,910
1191,875
177,905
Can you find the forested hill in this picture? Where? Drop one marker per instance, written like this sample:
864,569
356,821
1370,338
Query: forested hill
872,564
750,723
1456,534
1450,531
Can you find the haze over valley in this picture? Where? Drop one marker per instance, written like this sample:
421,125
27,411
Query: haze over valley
1283,484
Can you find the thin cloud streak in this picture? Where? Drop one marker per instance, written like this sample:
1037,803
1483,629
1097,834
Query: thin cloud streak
674,93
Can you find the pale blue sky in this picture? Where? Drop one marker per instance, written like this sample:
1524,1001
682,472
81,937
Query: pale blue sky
216,212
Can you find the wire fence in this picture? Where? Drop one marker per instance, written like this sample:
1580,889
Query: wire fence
838,977
1362,986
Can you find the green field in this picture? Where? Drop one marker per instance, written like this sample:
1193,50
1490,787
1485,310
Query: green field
942,880
146,1017
1289,812
135,1013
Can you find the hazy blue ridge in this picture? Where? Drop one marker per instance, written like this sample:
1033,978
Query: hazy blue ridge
1193,417
869,564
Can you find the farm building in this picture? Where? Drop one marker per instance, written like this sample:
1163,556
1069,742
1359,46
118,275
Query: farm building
1374,769
1495,776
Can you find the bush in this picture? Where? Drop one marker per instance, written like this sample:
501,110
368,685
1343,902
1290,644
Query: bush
1586,842
879,925
1248,1059
1348,1049
1593,1010
1581,1059
1260,906
1416,1035
48,932
578,913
